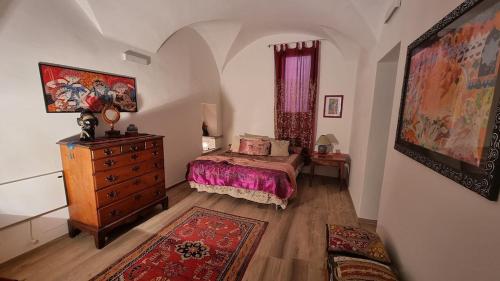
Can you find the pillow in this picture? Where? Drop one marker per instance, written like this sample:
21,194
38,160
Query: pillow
235,143
353,269
251,136
279,148
254,146
357,241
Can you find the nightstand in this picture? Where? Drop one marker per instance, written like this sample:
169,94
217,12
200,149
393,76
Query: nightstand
338,160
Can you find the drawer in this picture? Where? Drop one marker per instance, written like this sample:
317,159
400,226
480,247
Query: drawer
126,159
133,147
129,204
326,162
158,143
119,191
155,153
106,152
114,176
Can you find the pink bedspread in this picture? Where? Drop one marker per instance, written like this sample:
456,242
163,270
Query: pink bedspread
272,175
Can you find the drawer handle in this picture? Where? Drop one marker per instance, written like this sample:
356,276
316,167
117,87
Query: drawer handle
111,178
134,148
109,163
137,181
136,168
112,194
157,165
108,151
154,144
157,177
134,156
138,197
114,213
157,193
155,153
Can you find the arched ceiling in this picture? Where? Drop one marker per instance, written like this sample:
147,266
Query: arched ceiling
229,25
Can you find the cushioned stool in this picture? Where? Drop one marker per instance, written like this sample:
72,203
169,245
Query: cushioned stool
356,254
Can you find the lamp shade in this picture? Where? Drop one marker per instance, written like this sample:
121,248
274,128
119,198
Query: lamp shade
332,138
323,140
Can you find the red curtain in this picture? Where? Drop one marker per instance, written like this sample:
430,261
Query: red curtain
296,86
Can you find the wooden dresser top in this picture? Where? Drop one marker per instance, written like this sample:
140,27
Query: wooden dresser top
101,142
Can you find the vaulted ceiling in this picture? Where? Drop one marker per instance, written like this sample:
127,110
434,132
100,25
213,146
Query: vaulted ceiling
233,24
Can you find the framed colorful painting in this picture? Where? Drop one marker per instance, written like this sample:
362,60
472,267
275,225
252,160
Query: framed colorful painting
333,106
449,117
69,89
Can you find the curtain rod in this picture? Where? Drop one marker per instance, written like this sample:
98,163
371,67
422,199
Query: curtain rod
319,39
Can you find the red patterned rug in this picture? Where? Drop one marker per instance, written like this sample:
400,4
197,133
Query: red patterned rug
199,245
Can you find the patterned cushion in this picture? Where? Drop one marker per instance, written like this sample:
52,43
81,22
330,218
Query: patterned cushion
357,241
279,148
354,269
235,143
254,146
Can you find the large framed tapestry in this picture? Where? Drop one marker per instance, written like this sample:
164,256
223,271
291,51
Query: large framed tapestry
69,89
449,117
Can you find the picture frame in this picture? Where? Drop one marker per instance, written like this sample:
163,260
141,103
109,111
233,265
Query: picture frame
69,89
449,116
333,106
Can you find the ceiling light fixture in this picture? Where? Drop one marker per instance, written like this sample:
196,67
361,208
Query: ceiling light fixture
136,57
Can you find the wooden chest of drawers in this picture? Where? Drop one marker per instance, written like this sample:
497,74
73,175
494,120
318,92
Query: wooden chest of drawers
111,181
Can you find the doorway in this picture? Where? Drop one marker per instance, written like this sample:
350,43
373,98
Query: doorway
383,97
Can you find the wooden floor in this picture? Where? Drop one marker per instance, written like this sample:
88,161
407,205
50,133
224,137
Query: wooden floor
292,248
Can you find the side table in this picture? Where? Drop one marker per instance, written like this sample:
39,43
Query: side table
338,160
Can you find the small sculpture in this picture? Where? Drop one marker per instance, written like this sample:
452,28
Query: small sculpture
88,122
204,128
132,130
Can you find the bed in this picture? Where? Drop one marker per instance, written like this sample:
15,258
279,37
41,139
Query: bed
262,179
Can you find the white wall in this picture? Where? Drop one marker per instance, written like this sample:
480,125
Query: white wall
365,81
19,198
379,132
182,75
435,229
248,90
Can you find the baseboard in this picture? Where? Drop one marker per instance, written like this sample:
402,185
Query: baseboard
367,222
176,184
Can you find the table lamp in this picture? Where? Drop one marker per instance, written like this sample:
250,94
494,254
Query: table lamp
333,141
323,143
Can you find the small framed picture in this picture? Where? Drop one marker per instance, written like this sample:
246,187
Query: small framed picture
333,106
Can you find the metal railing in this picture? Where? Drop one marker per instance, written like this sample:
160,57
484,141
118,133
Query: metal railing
30,218
28,178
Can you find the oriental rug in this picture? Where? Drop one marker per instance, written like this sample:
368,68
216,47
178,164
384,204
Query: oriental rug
201,244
